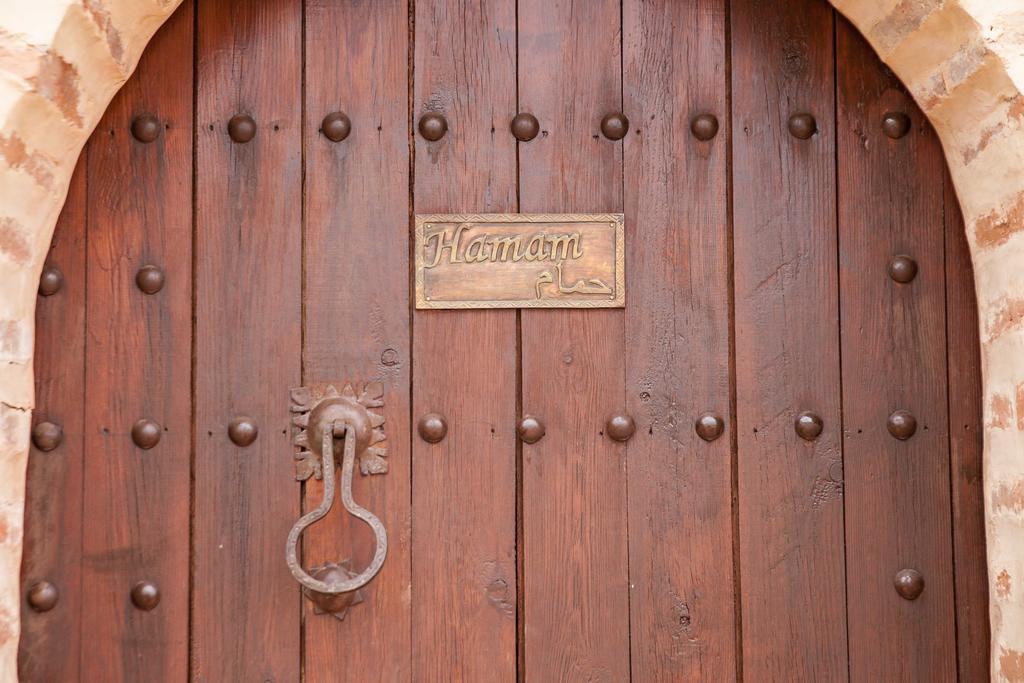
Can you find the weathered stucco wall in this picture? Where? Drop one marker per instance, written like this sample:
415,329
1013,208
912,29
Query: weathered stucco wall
61,61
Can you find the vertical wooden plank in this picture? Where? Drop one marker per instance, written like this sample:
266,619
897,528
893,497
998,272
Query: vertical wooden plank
894,358
357,311
965,397
136,501
575,576
464,501
677,343
245,612
50,641
787,329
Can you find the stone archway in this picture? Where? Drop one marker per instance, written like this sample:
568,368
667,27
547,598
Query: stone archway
963,61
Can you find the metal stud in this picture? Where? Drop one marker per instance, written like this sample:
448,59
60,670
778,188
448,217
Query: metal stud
146,433
336,604
802,126
525,126
42,596
50,281
242,128
433,126
145,128
530,429
243,430
704,127
902,425
46,436
895,124
809,425
620,427
709,426
909,583
145,595
903,269
149,279
433,427
614,126
336,126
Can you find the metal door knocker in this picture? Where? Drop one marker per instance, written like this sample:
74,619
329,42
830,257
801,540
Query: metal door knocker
332,423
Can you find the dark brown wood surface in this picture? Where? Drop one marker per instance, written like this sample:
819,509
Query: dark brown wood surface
248,280
893,352
53,500
464,500
677,343
751,258
136,502
356,317
787,334
575,576
965,437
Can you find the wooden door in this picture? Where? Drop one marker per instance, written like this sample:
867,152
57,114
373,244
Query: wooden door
801,496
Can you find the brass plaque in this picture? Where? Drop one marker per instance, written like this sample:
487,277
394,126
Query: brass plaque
520,261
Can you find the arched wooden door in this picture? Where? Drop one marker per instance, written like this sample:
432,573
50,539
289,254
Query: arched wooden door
797,351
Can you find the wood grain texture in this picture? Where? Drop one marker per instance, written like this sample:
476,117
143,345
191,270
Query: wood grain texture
246,604
136,502
576,603
893,351
787,332
357,312
464,500
966,449
50,641
677,343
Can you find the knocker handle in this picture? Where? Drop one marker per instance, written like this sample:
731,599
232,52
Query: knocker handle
348,432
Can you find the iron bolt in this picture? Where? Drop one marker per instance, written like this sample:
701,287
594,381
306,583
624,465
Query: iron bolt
145,595
909,583
241,128
146,433
614,126
149,279
709,426
46,436
809,425
50,281
336,126
525,126
145,128
243,430
433,126
902,425
704,127
42,596
433,427
530,429
802,126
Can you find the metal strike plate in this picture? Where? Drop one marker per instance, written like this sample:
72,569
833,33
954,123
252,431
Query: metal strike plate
364,398
520,261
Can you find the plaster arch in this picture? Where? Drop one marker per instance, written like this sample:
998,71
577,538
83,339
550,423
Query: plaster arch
61,62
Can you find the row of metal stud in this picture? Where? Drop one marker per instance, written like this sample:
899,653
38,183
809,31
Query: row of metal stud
337,126
46,436
150,278
433,427
42,596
